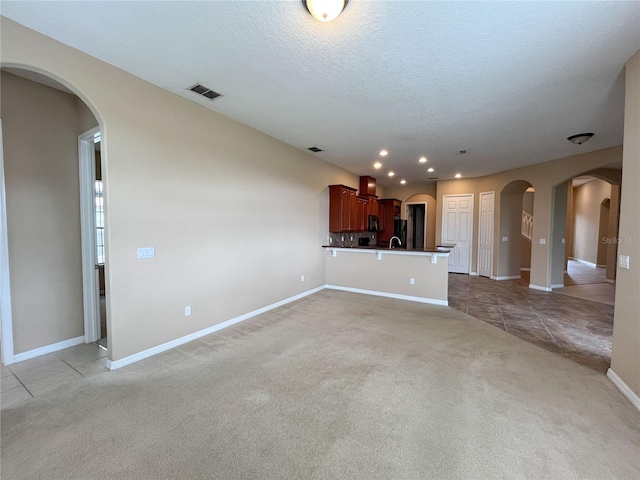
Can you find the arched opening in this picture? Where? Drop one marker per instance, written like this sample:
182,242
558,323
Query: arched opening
421,221
48,203
516,224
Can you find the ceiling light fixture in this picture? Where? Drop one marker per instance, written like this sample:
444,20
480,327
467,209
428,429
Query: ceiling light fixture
430,169
423,160
580,138
325,10
383,153
377,165
458,175
391,174
403,181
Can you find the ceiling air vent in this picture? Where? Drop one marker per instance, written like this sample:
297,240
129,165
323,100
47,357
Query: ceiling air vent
463,151
204,91
315,149
433,178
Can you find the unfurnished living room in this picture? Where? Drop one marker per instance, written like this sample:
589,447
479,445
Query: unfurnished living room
319,239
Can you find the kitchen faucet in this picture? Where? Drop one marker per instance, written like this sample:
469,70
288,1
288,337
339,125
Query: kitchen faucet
391,241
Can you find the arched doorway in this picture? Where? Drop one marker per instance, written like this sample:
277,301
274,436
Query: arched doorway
43,240
516,222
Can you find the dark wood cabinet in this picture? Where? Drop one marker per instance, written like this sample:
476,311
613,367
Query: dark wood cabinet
388,210
367,186
342,208
362,216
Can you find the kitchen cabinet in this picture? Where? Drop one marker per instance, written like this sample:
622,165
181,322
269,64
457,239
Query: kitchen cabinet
362,213
343,206
388,210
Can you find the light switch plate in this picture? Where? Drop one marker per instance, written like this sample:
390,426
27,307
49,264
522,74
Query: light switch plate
543,241
146,252
623,261
505,239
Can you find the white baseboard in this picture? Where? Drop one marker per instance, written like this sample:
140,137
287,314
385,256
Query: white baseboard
431,301
54,347
557,285
473,274
507,277
136,357
525,269
608,280
538,287
624,388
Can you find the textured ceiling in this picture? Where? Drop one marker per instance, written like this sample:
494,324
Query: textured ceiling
508,80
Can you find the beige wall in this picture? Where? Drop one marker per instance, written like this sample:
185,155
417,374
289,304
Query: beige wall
41,127
543,177
235,216
587,199
418,193
391,274
625,361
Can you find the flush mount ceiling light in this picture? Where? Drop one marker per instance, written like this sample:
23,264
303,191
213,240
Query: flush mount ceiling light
580,138
325,10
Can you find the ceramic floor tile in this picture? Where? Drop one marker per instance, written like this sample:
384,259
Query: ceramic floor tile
9,382
6,372
52,382
77,356
14,396
54,366
93,368
32,363
578,328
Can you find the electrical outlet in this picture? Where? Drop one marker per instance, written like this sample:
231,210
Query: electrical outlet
505,239
302,278
187,310
412,281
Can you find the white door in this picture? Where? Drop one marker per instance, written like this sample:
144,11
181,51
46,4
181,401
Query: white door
485,234
457,229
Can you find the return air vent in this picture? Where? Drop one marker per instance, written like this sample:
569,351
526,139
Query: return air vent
433,178
315,149
204,91
463,151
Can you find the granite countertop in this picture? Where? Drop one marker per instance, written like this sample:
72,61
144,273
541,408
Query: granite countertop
384,247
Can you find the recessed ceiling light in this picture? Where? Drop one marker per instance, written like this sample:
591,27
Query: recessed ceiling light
423,160
383,153
403,181
458,175
391,174
580,138
377,165
430,170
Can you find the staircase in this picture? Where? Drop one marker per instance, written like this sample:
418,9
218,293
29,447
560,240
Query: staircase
527,225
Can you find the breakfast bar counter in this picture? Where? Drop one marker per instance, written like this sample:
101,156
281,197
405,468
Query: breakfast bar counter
419,275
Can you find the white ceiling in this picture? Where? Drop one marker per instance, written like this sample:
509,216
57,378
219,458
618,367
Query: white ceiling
508,80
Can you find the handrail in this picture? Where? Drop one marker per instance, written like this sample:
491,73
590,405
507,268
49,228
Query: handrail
527,225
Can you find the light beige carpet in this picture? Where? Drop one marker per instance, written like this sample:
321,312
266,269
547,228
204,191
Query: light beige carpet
336,385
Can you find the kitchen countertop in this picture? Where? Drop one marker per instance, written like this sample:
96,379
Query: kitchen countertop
387,249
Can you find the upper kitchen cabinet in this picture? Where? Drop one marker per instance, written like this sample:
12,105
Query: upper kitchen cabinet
343,208
367,186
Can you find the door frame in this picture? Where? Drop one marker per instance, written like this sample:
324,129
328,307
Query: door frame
6,320
90,288
406,211
493,225
471,197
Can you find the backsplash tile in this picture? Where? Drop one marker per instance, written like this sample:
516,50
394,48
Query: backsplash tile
350,239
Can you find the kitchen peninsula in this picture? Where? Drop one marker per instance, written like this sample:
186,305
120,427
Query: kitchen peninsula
416,275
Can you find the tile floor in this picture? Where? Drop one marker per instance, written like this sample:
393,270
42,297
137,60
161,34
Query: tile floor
568,324
40,375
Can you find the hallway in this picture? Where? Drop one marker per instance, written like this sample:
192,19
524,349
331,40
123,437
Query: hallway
576,322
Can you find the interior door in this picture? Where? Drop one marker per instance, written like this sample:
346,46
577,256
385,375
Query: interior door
457,229
485,234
